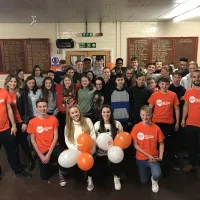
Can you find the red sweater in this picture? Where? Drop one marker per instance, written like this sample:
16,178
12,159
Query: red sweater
62,107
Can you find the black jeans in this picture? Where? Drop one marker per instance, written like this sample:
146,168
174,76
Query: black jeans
193,140
47,170
168,131
102,164
12,150
61,128
21,138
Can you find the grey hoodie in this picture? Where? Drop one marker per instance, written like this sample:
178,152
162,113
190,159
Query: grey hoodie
186,82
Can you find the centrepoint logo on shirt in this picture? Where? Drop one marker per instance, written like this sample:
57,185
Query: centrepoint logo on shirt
141,136
192,99
162,103
2,100
41,129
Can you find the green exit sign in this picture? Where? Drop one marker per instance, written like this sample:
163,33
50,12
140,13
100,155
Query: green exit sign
87,34
87,45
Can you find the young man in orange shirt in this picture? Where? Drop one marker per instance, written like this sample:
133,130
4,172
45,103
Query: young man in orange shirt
164,103
7,135
146,136
43,130
191,111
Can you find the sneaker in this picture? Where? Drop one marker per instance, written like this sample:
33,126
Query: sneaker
155,186
23,173
117,183
188,168
63,181
90,186
175,162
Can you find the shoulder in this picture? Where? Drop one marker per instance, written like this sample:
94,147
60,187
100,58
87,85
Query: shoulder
33,121
97,125
3,91
172,93
89,121
117,123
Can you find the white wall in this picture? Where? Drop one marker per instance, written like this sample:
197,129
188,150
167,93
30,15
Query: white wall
114,38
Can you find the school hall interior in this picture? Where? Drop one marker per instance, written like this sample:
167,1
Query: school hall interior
33,32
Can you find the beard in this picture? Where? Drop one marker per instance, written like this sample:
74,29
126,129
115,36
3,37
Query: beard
196,83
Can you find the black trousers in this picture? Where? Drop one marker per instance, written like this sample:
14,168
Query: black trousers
47,170
193,141
103,165
12,150
21,138
61,129
168,131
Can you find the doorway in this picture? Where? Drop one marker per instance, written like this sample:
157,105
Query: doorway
72,56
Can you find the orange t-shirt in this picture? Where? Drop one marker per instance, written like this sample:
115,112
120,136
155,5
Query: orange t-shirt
14,108
163,106
147,138
4,100
44,131
192,96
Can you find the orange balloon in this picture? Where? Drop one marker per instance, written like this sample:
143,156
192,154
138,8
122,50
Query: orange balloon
85,161
110,65
123,140
85,142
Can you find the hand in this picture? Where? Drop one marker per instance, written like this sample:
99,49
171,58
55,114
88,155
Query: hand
13,130
151,158
176,126
157,159
47,158
183,123
24,127
42,158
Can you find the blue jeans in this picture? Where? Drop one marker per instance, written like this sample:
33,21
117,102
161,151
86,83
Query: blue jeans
147,169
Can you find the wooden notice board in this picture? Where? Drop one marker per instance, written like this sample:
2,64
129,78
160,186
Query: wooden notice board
24,54
165,49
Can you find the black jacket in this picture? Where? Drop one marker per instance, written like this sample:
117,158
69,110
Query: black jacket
22,105
138,97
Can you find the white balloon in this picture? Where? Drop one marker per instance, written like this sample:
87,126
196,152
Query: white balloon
115,154
68,158
104,141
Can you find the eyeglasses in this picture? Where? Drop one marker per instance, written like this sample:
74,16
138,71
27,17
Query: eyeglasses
98,84
129,73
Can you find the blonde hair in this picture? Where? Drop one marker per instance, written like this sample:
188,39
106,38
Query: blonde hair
146,109
8,79
70,125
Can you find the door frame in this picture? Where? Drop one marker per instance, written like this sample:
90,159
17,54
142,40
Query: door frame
88,49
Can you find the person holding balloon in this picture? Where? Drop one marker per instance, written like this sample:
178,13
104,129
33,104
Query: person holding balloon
106,129
80,135
146,136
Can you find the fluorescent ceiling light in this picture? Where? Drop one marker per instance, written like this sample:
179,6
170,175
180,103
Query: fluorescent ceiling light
181,7
190,14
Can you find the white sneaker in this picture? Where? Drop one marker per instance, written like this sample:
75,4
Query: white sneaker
155,186
90,185
63,182
117,183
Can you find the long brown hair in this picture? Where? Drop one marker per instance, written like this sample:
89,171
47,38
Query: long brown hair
71,89
8,79
70,125
45,91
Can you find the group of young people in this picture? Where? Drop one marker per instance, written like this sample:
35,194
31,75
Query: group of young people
151,103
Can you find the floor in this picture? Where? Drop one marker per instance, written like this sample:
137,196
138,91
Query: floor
173,186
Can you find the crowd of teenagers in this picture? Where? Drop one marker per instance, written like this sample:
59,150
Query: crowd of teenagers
158,105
